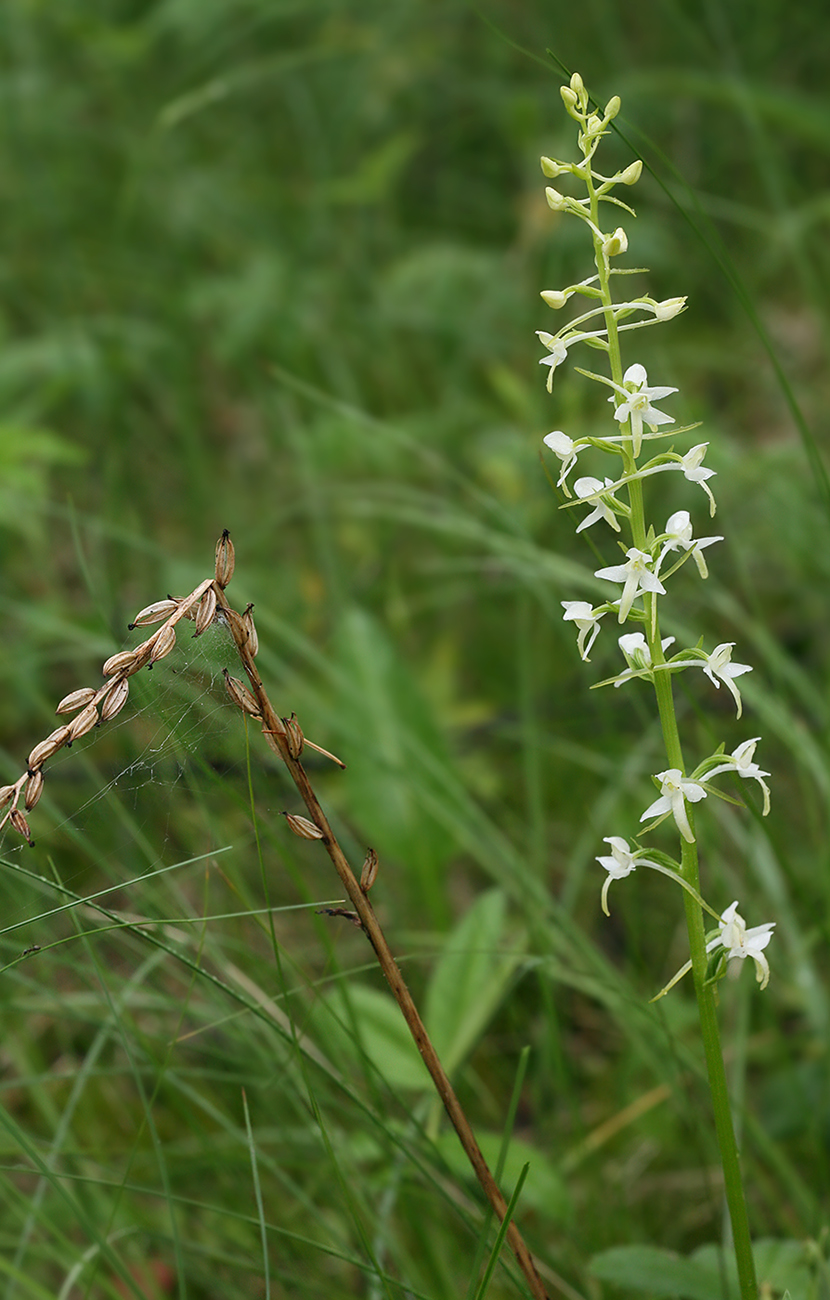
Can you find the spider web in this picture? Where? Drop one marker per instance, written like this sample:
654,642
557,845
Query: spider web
128,797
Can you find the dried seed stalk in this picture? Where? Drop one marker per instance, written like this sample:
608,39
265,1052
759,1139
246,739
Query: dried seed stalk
285,737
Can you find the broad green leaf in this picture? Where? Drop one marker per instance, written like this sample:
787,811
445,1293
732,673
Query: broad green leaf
470,979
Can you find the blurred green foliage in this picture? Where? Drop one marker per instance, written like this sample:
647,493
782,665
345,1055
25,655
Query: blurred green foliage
274,266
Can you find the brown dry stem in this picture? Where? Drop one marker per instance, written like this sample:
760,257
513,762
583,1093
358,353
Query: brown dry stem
206,603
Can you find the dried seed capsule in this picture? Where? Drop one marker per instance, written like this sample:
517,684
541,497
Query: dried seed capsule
33,789
225,560
241,696
46,748
206,611
239,632
162,644
293,736
6,793
76,700
155,613
84,722
125,659
115,699
20,824
248,624
370,871
303,827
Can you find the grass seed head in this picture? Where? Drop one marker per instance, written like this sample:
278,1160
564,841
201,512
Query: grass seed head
53,742
33,789
76,700
225,560
115,699
21,825
303,827
155,613
206,611
84,722
370,870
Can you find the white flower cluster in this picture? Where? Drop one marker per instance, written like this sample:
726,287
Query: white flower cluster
653,557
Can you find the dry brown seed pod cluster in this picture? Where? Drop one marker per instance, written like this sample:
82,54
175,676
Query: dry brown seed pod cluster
109,698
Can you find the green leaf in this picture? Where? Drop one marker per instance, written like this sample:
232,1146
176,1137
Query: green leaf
365,1024
470,980
656,1272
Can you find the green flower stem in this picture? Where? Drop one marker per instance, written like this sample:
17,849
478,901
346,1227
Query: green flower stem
710,1033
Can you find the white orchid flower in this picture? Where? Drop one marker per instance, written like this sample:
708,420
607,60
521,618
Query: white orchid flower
636,577
718,667
557,353
675,790
588,487
619,863
637,404
566,449
741,943
637,655
692,466
740,762
587,622
679,538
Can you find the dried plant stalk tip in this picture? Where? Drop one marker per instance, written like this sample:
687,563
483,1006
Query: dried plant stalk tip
84,722
53,742
303,827
155,613
206,611
241,696
33,789
76,700
370,870
225,560
115,699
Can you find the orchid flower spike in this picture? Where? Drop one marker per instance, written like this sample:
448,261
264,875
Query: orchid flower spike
740,762
741,943
637,404
620,862
636,577
675,790
587,622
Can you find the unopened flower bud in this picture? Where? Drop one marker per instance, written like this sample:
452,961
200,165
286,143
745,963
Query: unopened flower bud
593,125
612,108
577,84
555,200
555,298
669,308
568,97
552,168
632,173
616,243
